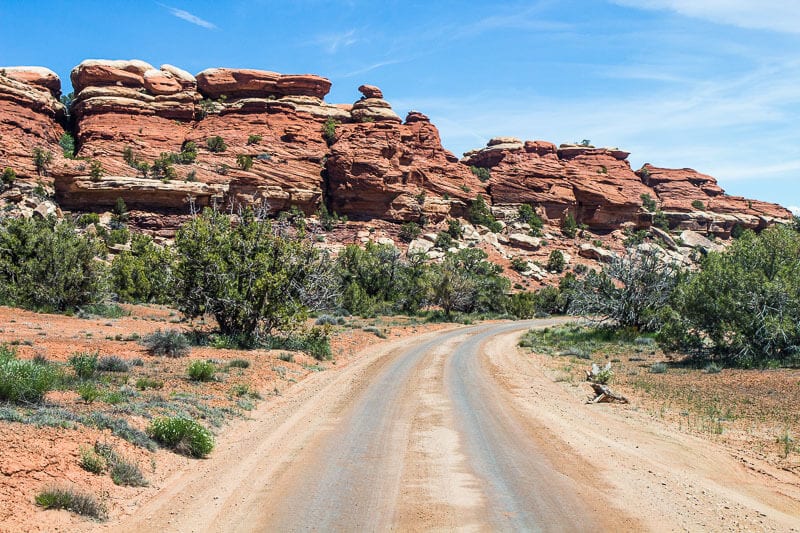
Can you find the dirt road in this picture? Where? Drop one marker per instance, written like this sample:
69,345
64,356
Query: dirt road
455,430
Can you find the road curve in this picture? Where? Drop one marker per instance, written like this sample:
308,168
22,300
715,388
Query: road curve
418,438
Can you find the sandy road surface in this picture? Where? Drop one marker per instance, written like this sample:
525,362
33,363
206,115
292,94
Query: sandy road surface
454,430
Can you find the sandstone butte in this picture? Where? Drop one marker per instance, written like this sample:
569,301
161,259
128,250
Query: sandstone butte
373,165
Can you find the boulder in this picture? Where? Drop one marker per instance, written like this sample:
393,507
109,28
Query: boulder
370,91
595,253
522,240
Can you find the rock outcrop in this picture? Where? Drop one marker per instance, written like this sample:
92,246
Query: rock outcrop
162,139
30,118
596,185
399,172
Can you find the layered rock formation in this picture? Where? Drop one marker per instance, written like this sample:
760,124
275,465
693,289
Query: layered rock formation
161,138
30,118
598,186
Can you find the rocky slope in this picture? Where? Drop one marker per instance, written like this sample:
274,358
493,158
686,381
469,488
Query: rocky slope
162,139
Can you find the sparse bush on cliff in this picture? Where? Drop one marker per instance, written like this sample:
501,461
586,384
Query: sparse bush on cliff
188,153
527,215
46,265
329,131
253,139
96,171
479,213
556,262
481,173
648,203
216,144
569,228
67,144
41,160
245,162
9,176
409,231
698,204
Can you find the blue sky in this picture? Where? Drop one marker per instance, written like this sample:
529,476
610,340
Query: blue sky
711,84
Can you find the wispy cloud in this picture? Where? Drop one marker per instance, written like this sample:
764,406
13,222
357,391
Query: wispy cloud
189,17
333,42
775,15
371,67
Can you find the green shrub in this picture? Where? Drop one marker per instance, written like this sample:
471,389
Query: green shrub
648,202
145,383
324,320
519,264
444,241
658,368
253,139
252,278
88,218
409,231
569,228
112,363
9,176
698,204
660,220
482,174
126,473
41,160
188,153
84,364
245,162
171,343
216,144
71,499
45,265
201,371
92,461
23,381
67,144
96,171
712,368
145,274
455,229
527,215
88,392
182,435
239,363
556,261
479,213
329,131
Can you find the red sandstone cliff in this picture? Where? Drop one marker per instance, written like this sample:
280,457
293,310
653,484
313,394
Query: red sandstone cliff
127,115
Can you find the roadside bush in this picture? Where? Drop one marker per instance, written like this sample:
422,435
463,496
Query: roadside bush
201,371
254,279
170,343
23,381
71,499
743,305
182,435
92,461
84,364
126,473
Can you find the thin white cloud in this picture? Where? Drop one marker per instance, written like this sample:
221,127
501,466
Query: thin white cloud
189,17
369,68
775,15
333,42
794,209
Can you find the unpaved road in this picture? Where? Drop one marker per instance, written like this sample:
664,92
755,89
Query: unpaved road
456,431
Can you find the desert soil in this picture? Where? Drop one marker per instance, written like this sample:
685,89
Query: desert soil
461,429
